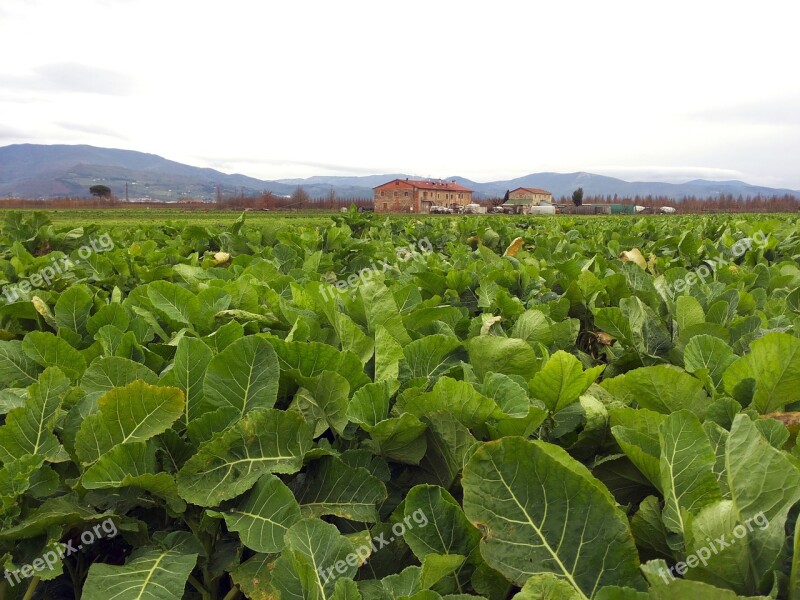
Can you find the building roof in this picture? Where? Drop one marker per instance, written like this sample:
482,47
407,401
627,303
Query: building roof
531,190
449,186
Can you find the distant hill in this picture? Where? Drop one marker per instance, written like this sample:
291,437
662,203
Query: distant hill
49,171
34,171
563,184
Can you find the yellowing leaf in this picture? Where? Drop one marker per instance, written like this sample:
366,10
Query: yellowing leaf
44,310
514,247
635,256
220,258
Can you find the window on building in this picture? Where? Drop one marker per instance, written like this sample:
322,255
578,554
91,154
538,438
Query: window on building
382,193
385,206
405,194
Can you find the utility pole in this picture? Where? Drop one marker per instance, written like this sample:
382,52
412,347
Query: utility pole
126,191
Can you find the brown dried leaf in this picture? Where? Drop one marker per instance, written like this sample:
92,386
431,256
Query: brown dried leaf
604,339
790,419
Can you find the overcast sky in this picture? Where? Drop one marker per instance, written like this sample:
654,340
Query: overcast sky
640,90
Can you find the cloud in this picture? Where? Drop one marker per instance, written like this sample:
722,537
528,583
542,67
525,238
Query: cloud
9,133
241,164
75,77
71,77
90,129
777,111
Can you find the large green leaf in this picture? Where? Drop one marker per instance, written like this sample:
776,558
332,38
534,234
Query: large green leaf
709,353
509,394
769,376
332,487
133,465
264,441
448,446
533,327
547,585
637,433
761,478
72,308
370,404
264,515
436,524
29,429
16,479
399,439
50,351
529,526
174,301
688,312
687,469
252,576
151,573
301,359
245,376
106,373
352,338
388,353
380,310
133,413
511,356
730,561
16,367
188,370
744,538
315,558
458,398
108,314
562,380
58,511
430,357
661,388
326,397
794,576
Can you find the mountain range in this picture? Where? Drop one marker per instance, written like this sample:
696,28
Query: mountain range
51,171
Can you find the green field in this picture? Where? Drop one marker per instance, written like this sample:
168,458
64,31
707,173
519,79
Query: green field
159,216
356,406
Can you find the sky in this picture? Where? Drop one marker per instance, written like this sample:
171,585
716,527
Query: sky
666,91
